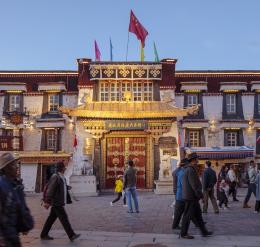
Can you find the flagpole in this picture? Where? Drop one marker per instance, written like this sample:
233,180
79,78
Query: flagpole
127,47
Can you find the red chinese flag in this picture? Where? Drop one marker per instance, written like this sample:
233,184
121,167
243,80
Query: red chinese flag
258,140
137,28
75,143
97,52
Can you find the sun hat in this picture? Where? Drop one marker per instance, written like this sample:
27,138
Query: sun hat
6,158
192,156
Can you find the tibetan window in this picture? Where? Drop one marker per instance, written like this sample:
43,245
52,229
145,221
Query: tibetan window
53,102
192,99
148,91
51,140
231,103
15,102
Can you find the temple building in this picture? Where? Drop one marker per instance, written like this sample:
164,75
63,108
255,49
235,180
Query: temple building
97,118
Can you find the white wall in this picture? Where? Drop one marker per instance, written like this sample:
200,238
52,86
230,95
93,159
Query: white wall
248,106
212,106
70,100
32,139
34,104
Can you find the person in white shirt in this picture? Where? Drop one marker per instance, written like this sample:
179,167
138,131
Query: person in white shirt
231,176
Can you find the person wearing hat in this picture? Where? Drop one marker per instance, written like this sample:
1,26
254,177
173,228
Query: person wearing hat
15,216
57,197
192,194
119,190
177,191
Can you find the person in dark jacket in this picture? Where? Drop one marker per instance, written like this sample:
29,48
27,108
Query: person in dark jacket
209,180
12,203
57,196
191,194
177,190
130,187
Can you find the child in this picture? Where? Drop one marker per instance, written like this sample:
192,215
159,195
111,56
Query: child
223,193
257,203
119,190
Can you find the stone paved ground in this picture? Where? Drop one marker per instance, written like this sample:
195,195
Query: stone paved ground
103,225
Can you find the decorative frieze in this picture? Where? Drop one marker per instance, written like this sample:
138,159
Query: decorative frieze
131,72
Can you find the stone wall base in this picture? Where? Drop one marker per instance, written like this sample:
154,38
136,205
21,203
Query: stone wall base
83,185
163,187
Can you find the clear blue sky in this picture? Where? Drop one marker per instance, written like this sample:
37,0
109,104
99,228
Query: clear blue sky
201,34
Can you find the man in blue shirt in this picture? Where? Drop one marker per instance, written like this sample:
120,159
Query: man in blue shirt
177,190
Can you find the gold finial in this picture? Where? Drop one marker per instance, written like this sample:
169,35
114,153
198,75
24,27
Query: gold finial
127,96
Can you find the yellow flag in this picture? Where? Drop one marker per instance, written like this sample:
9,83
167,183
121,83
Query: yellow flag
142,53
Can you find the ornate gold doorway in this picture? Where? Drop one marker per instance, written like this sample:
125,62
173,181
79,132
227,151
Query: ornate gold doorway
120,149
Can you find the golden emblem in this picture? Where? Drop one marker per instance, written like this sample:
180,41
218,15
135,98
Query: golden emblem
16,118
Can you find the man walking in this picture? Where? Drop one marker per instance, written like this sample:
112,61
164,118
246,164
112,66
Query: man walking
251,174
209,180
57,196
191,194
231,175
130,187
177,191
15,216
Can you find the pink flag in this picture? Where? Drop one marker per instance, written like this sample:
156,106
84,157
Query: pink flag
258,140
97,52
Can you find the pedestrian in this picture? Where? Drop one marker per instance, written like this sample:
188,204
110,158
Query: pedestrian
15,216
251,175
119,190
231,177
222,175
57,197
177,190
209,179
192,194
257,203
223,194
130,187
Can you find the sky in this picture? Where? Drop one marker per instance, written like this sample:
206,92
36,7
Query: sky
201,34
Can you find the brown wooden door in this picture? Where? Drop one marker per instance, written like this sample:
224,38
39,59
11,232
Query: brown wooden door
137,153
115,160
119,151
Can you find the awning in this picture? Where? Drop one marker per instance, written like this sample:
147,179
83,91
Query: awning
194,86
233,85
13,86
255,85
239,152
52,86
129,110
43,157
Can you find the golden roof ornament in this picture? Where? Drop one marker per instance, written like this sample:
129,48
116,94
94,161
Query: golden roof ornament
127,96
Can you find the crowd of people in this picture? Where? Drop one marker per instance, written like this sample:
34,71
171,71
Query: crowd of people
190,189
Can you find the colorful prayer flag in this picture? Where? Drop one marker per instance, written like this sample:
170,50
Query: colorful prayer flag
137,28
75,143
111,50
97,52
156,57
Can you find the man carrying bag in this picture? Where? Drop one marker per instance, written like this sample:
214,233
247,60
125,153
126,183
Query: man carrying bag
57,197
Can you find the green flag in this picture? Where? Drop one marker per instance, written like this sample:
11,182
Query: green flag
156,57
